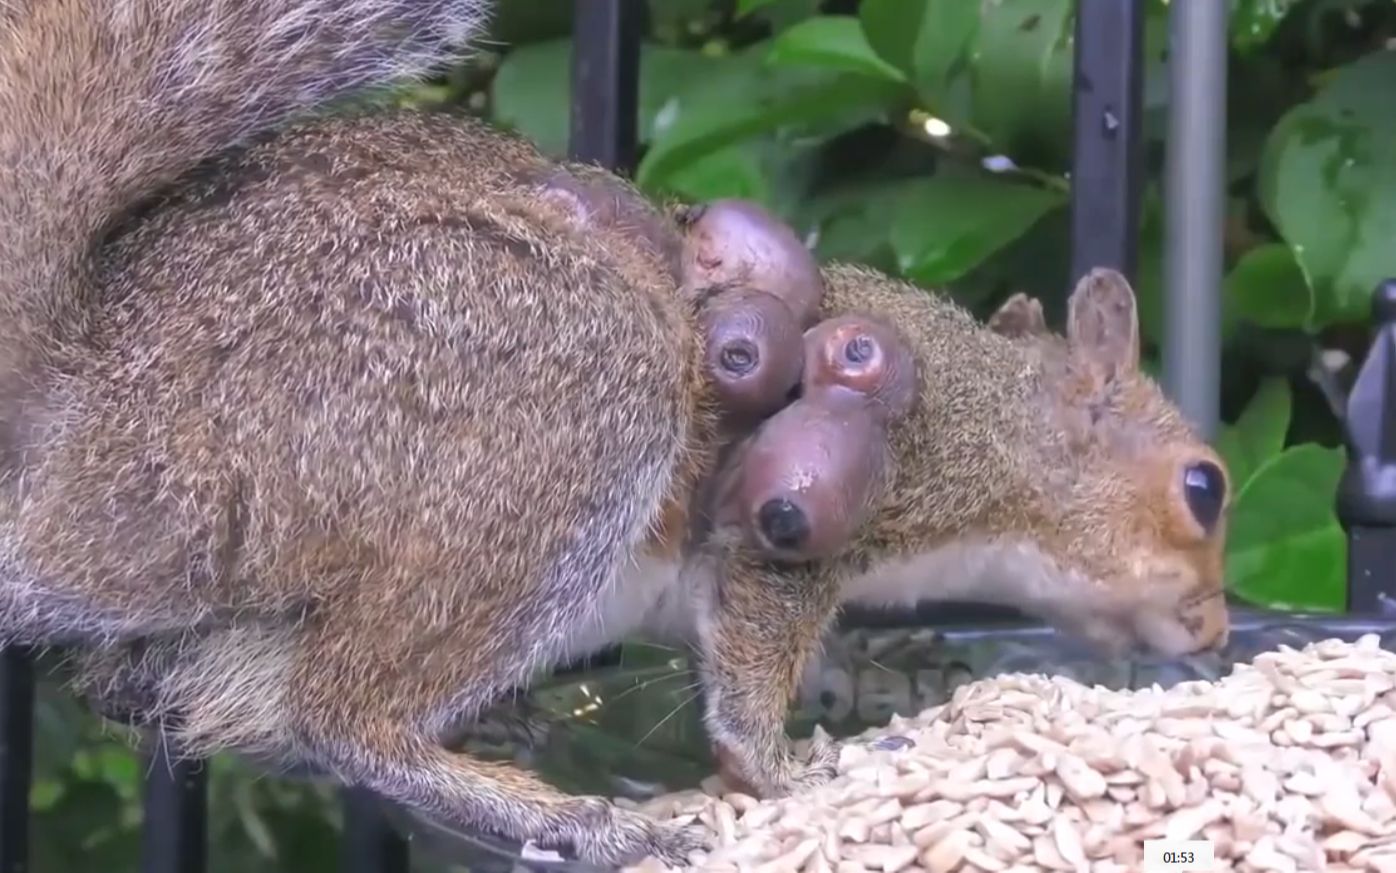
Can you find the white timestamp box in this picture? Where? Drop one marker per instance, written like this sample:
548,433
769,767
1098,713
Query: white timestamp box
1175,856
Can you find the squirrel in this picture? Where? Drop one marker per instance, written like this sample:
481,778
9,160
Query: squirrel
350,431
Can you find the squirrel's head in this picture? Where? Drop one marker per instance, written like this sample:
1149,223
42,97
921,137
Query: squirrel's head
1047,472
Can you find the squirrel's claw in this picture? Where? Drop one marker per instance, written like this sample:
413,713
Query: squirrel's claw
764,773
598,832
822,764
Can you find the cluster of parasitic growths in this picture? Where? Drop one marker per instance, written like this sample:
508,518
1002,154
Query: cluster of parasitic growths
809,400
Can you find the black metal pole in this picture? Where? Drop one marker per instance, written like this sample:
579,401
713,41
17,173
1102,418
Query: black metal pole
16,757
1107,168
174,835
1367,491
605,82
370,844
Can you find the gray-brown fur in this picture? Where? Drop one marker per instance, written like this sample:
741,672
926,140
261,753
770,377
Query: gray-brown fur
104,104
1058,442
1020,316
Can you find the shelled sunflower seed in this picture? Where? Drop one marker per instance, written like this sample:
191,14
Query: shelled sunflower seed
1287,764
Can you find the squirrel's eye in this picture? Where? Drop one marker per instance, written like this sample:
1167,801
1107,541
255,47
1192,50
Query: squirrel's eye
859,350
1204,488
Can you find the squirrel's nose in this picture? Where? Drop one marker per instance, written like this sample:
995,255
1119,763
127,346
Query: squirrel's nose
783,524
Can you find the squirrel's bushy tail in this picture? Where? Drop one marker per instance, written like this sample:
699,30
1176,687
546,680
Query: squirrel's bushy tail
104,103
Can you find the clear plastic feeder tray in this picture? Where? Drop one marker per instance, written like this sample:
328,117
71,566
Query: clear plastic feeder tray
634,730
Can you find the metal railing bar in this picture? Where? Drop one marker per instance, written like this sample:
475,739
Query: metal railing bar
369,844
16,757
1367,491
606,82
1107,170
174,833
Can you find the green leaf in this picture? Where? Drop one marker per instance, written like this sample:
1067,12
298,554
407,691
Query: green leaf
1285,548
947,33
1258,434
251,819
531,91
1148,283
673,17
834,42
1328,183
1253,21
780,15
948,223
741,97
892,28
45,794
731,172
1021,75
518,24
853,222
925,39
1260,90
1268,289
120,770
746,7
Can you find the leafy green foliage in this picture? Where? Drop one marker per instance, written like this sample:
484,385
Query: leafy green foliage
1285,548
1021,74
1258,434
746,7
1328,182
926,41
1269,288
947,224
531,91
1253,22
835,42
85,802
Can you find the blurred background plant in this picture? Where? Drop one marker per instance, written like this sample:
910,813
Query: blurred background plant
930,138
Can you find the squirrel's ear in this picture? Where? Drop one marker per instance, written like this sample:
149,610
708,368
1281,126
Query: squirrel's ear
1019,316
1102,321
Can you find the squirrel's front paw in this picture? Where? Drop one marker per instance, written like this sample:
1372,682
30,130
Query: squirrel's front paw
786,773
599,832
821,766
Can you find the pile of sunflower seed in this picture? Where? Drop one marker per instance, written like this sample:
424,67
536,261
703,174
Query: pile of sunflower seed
1286,764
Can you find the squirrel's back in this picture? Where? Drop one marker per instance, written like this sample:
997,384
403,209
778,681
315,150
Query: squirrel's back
106,104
